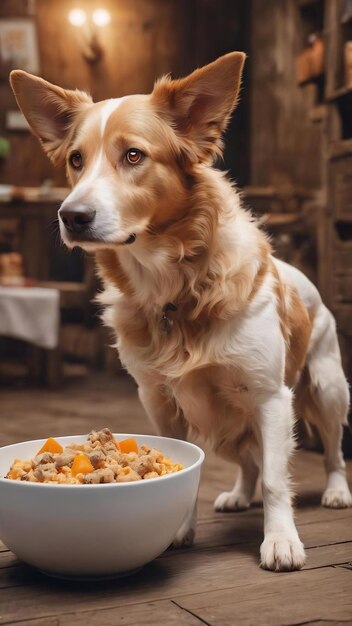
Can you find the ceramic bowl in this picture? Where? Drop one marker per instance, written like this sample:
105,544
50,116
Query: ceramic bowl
87,531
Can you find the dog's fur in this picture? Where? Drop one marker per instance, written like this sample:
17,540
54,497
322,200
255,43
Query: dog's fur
250,334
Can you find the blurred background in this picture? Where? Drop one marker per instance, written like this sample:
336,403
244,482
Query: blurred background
289,148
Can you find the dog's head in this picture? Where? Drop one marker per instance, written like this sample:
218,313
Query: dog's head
130,160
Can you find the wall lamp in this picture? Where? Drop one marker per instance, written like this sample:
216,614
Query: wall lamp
88,24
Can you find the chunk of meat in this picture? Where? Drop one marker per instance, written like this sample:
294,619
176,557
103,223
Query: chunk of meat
97,457
66,458
104,475
45,472
142,465
104,436
43,458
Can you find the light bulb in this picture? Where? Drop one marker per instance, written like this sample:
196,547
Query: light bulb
101,17
77,17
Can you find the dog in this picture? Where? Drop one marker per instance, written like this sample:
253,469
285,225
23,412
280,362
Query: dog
221,337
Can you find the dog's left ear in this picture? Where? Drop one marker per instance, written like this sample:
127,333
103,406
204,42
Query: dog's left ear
199,106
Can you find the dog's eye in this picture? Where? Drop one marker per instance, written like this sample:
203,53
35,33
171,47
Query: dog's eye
134,156
76,160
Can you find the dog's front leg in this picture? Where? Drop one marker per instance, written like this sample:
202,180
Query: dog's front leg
281,549
163,411
169,421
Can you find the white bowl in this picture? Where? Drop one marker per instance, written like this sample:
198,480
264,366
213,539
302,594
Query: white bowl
96,530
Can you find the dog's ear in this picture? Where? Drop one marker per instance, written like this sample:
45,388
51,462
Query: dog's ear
199,106
49,110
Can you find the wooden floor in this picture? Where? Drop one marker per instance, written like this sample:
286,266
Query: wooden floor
218,581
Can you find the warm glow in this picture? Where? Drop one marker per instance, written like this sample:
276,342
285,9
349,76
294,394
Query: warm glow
101,17
77,17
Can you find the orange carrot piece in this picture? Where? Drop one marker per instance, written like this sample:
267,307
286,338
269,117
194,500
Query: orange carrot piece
128,445
81,465
12,474
51,445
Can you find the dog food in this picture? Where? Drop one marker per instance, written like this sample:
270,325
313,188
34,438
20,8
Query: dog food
102,459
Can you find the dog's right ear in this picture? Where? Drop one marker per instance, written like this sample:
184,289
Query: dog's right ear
49,110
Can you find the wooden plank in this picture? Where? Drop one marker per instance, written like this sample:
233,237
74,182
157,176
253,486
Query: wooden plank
26,592
293,599
165,34
246,529
333,47
278,109
8,559
343,289
343,316
343,258
341,188
306,3
224,559
148,614
340,148
340,93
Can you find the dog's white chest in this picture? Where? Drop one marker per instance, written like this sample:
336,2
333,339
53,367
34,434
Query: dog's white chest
214,402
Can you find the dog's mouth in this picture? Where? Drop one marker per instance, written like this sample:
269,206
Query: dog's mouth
79,227
90,238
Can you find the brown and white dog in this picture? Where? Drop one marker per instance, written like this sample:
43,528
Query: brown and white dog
219,335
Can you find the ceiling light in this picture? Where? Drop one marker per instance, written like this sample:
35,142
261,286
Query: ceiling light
77,17
101,17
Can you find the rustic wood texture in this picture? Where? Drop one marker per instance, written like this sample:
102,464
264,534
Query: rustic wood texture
286,147
335,219
218,581
144,40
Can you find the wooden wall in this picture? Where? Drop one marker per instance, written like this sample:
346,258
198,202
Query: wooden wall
146,38
285,145
271,139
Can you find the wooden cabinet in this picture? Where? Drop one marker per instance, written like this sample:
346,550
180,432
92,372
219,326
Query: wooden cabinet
336,213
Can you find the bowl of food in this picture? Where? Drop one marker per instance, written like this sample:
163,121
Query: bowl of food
99,506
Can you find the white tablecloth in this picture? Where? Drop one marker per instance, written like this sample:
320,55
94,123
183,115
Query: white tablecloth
31,314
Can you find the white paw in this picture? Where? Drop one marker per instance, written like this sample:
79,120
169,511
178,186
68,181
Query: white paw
184,538
282,552
230,501
337,498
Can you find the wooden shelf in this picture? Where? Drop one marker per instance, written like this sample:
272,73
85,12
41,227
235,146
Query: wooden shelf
308,3
341,148
276,192
278,220
339,93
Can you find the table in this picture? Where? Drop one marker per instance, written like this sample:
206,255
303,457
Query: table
31,314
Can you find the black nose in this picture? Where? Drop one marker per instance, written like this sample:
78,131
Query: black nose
76,217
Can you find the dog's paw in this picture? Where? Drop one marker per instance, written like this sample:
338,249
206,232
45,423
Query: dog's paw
337,498
230,501
281,552
184,538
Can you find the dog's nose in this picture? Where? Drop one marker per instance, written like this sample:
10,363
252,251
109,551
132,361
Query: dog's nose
76,217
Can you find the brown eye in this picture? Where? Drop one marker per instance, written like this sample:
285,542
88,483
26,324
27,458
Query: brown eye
76,160
134,156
